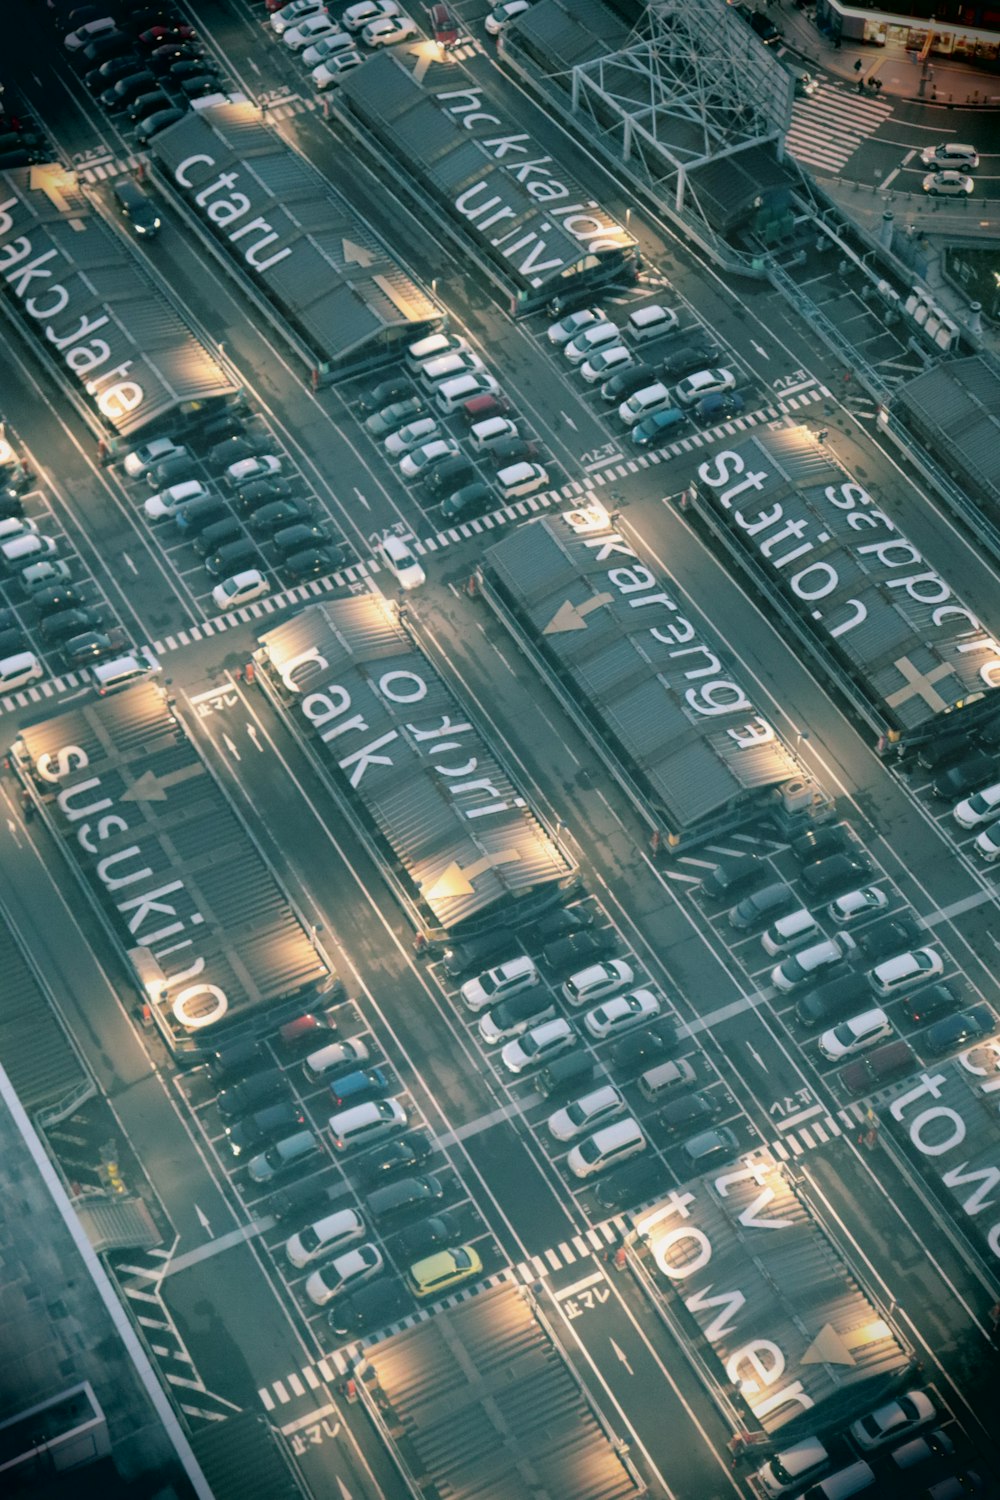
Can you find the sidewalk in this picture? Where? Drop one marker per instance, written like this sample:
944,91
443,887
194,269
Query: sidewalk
936,81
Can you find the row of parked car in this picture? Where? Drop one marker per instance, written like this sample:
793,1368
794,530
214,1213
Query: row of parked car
445,377
248,502
328,45
343,1249
892,1449
142,62
831,861
650,399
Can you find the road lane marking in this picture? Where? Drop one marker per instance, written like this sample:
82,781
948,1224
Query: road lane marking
579,1286
803,1114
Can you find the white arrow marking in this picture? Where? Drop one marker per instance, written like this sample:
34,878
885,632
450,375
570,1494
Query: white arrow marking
361,497
423,63
203,1219
762,352
129,563
230,746
570,616
620,1354
456,881
13,831
356,254
254,734
345,1493
568,420
757,1058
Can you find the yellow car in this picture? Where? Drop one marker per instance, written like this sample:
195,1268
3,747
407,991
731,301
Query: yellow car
439,1273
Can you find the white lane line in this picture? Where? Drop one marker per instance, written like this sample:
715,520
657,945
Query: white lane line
803,1114
579,1286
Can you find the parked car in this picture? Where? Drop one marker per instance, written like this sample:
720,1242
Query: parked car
930,1004
703,383
887,938
417,1240
877,1068
857,905
566,329
241,588
839,872
538,1046
586,1113
395,416
597,981
974,770
580,948
892,1421
965,1028
515,1015
820,843
376,1305
396,1157
919,966
496,984
688,353
438,1273
856,1034
344,1274
626,382
732,877
137,209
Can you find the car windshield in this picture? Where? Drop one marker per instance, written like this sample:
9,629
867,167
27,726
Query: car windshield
309,1239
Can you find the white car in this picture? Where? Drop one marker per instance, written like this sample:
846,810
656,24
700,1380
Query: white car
606,1148
325,1237
401,561
389,30
253,468
168,502
294,14
919,966
312,29
893,1420
856,1034
948,184
567,328
703,383
501,15
344,1274
539,1045
357,17
329,73
951,154
497,984
18,670
621,1013
856,904
330,46
599,336
418,459
411,436
141,460
586,1113
89,33
987,845
241,588
605,363
808,963
981,807
597,981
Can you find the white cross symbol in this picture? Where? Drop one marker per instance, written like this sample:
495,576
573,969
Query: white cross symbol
919,684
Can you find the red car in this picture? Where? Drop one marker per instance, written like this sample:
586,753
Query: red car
444,25
157,36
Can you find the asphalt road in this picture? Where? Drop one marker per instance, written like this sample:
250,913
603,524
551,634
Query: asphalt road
502,1173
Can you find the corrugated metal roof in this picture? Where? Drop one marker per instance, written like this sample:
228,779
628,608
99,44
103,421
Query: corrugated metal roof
957,406
331,276
896,627
487,1409
567,32
173,867
755,1242
666,704
481,166
954,1133
419,767
35,1051
110,301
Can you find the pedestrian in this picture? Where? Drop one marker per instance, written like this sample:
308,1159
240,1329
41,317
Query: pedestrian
861,85
858,66
238,674
249,671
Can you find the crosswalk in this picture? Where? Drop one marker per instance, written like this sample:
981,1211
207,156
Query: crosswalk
828,127
596,1243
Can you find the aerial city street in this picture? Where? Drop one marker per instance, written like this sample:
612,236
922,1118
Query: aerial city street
500,828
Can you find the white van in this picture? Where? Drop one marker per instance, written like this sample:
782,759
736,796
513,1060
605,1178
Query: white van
805,963
794,1467
367,1123
906,969
344,1055
656,1082
433,346
644,403
436,371
650,323
856,1479
606,1148
521,479
18,670
27,548
790,931
454,393
483,435
108,676
168,502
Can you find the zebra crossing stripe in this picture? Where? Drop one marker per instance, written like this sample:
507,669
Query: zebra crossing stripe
296,1385
281,1393
324,1369
309,1375
780,1150
265,1398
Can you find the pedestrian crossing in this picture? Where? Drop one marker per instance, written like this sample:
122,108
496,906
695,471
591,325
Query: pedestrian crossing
357,576
828,127
819,1131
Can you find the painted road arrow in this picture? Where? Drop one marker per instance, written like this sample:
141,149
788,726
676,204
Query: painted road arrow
458,882
355,254
152,788
570,616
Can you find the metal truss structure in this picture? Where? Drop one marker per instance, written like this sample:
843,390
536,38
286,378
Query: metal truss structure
693,87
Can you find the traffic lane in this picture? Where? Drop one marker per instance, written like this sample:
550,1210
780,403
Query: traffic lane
897,1239
642,1382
